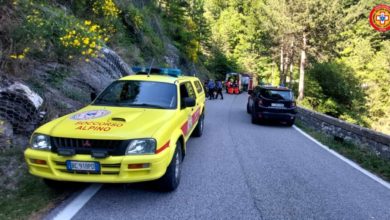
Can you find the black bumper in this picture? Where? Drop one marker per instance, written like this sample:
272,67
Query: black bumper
276,114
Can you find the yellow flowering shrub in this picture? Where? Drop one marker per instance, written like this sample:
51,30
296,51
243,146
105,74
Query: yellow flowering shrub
20,56
106,8
85,38
50,32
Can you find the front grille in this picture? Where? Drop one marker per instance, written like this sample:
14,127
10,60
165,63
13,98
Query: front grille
87,146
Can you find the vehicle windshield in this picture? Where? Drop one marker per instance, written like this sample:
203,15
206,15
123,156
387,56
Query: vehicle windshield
142,94
277,94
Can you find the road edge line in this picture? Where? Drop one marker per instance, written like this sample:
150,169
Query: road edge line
73,207
346,160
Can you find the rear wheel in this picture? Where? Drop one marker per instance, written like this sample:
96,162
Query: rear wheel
254,118
171,178
290,123
248,110
199,128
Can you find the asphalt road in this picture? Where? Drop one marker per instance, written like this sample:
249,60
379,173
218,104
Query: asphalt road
237,170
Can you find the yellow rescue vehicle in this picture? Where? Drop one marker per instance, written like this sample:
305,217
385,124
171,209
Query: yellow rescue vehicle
135,130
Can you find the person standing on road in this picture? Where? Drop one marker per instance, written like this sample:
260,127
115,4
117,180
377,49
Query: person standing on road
211,88
206,87
219,89
227,85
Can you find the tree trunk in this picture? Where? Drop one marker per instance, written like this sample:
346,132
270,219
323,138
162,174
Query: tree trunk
292,64
302,69
291,74
281,63
285,69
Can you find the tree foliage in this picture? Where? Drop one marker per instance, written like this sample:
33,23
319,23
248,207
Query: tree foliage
346,60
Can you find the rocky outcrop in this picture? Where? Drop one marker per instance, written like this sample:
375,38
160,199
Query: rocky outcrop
62,89
6,134
19,106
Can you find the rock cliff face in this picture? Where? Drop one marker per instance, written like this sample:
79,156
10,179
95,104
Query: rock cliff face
52,90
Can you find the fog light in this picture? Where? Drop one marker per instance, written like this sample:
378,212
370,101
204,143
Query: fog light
37,161
138,166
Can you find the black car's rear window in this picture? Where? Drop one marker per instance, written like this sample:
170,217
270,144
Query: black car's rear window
277,94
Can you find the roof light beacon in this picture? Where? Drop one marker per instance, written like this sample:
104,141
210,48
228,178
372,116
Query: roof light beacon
157,71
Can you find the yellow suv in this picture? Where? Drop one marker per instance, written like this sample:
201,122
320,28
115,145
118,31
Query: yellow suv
135,130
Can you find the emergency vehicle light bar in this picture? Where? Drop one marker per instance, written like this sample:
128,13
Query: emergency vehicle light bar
157,71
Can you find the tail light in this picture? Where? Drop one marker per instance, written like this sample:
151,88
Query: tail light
260,103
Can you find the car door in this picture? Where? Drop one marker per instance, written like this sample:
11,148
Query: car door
200,96
187,114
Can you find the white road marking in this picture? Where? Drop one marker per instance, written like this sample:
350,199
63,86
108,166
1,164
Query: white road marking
346,160
73,207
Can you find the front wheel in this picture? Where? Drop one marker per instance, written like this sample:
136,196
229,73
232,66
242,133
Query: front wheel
171,179
199,128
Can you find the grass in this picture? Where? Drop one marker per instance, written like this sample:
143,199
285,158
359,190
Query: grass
29,197
363,157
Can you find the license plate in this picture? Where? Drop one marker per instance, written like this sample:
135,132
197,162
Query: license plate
277,104
82,166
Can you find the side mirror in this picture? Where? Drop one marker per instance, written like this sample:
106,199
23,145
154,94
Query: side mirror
93,96
250,92
189,102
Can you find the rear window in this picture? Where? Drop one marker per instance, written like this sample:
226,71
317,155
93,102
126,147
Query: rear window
277,94
198,87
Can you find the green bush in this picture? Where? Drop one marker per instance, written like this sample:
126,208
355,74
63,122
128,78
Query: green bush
333,89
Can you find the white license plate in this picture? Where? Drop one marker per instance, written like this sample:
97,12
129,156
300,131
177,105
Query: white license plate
277,104
82,166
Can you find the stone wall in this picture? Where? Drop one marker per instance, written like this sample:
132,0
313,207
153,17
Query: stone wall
373,141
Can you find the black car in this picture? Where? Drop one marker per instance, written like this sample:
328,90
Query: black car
271,103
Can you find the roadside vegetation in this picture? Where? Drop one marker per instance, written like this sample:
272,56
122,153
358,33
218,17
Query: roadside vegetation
23,196
364,158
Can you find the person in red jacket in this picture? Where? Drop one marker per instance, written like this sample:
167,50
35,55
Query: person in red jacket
227,85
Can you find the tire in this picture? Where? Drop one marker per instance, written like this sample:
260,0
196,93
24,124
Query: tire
290,123
55,185
254,118
171,179
199,127
248,110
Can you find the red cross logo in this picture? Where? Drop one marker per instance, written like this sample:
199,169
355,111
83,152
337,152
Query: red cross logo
380,18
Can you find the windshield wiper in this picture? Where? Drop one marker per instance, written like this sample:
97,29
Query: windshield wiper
147,105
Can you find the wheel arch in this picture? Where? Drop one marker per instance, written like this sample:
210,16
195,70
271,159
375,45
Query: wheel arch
178,137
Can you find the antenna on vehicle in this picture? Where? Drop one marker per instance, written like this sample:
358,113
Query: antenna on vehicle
150,67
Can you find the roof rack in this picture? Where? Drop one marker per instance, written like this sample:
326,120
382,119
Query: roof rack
157,71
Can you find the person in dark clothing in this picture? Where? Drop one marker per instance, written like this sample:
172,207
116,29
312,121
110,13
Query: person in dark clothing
219,89
211,88
206,87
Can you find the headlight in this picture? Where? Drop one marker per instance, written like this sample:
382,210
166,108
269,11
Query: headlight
40,142
141,146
